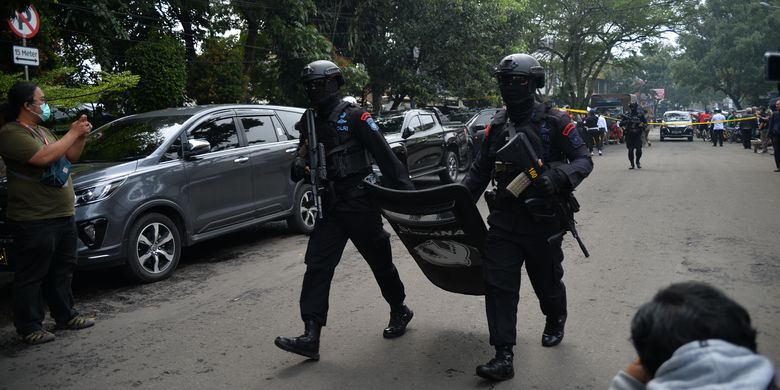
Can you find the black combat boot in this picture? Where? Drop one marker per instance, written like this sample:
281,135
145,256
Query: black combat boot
398,321
553,330
307,344
499,368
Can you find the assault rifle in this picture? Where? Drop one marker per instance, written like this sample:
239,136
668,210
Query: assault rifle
318,172
519,152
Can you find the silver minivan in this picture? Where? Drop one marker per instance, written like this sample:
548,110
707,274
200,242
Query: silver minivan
148,185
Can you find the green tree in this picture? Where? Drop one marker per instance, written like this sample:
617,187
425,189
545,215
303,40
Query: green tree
278,42
217,74
357,79
724,48
423,49
161,65
579,38
651,69
59,95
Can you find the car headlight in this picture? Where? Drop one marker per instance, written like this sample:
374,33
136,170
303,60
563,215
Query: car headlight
97,192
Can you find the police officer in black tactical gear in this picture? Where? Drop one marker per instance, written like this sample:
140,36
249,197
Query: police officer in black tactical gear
633,124
350,137
525,229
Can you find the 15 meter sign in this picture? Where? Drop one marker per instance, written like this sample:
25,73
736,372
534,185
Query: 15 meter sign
25,23
26,56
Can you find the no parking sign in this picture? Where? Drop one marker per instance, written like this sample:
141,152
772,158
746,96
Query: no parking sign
26,23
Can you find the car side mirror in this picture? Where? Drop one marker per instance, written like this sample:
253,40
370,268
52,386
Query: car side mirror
479,128
407,133
194,147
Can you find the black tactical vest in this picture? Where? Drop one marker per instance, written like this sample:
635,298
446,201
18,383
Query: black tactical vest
345,154
541,130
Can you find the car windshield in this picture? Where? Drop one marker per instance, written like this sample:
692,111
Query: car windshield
677,117
131,138
390,124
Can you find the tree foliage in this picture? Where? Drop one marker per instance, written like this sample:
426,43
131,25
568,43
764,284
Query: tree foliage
63,94
723,50
217,75
160,63
423,49
579,38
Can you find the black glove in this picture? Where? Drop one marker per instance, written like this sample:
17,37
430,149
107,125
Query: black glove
298,170
550,182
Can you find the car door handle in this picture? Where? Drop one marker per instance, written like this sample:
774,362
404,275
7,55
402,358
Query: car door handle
241,160
291,150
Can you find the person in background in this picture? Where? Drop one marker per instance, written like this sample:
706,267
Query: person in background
41,213
633,124
773,133
704,126
692,336
717,128
593,132
763,127
602,125
732,126
747,126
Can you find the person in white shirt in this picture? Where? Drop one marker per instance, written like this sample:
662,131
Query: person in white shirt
602,125
717,128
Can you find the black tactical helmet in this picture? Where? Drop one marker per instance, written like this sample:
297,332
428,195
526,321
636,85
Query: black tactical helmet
321,69
521,64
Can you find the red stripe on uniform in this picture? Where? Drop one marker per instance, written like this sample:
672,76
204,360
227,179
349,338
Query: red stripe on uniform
365,116
487,129
568,129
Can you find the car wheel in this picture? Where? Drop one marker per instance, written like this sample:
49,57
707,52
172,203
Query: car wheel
450,173
690,139
304,213
153,248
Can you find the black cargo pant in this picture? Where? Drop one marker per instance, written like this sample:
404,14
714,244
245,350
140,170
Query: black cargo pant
44,257
505,254
362,225
633,143
594,139
746,135
717,137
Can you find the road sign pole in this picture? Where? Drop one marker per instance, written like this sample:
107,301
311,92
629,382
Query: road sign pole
26,68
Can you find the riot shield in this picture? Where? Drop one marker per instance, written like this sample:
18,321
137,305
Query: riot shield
443,231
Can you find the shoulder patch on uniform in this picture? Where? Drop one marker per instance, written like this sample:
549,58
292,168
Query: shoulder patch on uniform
568,129
366,117
342,118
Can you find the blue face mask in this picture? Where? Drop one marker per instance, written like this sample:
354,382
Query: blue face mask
45,112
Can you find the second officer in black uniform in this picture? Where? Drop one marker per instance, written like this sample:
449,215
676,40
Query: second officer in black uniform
525,229
350,137
633,124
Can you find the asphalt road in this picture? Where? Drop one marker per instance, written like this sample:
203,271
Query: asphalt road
693,212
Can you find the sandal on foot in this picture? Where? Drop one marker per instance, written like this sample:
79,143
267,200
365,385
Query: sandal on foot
38,337
77,322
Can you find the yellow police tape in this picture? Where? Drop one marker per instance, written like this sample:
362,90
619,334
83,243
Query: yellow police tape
679,123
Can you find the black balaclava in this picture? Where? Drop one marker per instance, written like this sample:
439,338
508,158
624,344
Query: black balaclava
518,94
322,92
